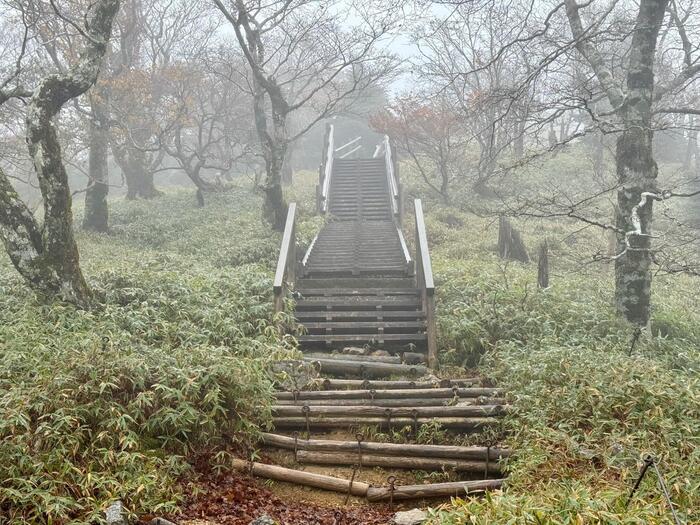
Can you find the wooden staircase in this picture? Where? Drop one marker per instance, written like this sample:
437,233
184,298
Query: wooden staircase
357,285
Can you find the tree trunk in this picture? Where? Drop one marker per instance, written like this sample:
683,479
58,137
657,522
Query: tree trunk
288,166
47,257
543,266
637,169
139,179
510,243
96,209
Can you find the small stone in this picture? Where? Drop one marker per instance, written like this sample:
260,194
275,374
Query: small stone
355,350
114,515
616,449
413,358
410,517
263,520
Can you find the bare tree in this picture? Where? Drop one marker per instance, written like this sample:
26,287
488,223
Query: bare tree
299,56
592,68
46,255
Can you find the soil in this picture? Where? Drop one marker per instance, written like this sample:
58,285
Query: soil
237,499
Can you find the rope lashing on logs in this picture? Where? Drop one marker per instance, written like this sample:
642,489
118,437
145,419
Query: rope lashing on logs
414,413
392,487
305,410
649,461
387,413
326,384
295,435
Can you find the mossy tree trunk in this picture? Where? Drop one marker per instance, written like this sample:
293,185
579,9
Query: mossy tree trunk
47,255
636,167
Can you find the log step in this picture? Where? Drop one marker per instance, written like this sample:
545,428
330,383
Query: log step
450,423
414,402
405,411
392,393
365,384
388,449
392,462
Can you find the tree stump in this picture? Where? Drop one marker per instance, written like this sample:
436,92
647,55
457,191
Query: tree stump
510,243
543,265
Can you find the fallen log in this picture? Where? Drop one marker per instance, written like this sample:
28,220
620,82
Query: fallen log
390,393
411,450
415,463
463,423
378,384
405,411
457,488
393,359
332,366
308,479
427,402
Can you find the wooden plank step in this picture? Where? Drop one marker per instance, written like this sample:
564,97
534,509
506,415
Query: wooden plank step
355,338
367,314
358,301
332,366
356,291
364,324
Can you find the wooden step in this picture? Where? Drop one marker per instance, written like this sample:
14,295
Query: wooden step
360,338
365,324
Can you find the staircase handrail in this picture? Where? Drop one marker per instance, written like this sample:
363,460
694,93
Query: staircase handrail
425,282
391,177
326,169
286,262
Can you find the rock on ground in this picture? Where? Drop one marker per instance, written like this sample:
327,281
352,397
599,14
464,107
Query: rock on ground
410,517
263,520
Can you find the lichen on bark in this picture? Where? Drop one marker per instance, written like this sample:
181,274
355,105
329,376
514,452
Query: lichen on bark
47,255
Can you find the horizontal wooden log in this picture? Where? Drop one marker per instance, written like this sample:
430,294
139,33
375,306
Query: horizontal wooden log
333,366
390,393
394,359
463,423
433,490
414,463
379,384
413,402
391,449
406,411
308,479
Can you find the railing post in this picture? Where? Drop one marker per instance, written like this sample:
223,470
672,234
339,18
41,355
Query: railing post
425,283
286,263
